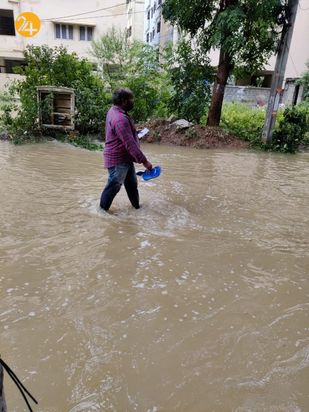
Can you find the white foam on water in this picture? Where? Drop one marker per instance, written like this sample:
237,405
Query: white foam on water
139,285
149,311
86,406
145,243
157,215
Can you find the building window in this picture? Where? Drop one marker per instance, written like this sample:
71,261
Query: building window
148,15
150,36
64,31
129,31
151,11
158,27
11,64
85,33
82,32
154,7
153,33
147,37
7,27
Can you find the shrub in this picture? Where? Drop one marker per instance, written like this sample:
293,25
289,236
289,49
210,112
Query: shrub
243,121
304,107
291,131
305,82
56,67
7,107
135,65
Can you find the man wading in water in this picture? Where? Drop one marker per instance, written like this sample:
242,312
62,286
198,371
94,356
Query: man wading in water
121,150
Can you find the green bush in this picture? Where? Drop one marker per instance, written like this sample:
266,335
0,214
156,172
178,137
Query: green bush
7,106
304,107
243,121
150,82
305,82
55,67
291,131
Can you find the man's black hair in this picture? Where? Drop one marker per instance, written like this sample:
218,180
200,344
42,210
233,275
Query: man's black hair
121,95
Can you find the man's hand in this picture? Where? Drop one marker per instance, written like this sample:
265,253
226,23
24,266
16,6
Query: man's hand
148,165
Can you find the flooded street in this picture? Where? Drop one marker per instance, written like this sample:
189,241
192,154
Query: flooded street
197,302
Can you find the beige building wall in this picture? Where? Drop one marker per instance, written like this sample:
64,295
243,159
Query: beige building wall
101,15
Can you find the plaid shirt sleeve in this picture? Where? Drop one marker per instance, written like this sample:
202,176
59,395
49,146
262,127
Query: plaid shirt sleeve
124,132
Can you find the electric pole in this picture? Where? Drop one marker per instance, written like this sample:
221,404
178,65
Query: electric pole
278,76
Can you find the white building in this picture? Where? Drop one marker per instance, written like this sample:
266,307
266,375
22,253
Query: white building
152,22
135,20
71,23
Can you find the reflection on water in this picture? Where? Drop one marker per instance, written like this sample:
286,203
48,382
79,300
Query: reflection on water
196,302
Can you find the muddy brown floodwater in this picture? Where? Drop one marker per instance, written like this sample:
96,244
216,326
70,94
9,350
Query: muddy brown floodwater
198,302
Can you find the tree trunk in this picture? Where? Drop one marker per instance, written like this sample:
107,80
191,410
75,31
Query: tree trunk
223,72
2,398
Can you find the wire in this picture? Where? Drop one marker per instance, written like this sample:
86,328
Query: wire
96,17
296,71
87,12
294,65
19,385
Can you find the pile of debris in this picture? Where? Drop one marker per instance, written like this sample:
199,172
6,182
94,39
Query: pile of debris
183,133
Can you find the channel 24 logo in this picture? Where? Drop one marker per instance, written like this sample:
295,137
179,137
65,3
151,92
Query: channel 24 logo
28,24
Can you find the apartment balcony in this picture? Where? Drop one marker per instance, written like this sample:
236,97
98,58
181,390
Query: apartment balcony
11,46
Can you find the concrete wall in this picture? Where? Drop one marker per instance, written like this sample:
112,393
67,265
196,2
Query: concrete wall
255,96
258,96
293,93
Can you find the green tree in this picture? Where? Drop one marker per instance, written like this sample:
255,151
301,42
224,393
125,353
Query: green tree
135,65
245,31
113,53
190,76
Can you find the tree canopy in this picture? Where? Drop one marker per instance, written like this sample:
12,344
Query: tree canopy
245,32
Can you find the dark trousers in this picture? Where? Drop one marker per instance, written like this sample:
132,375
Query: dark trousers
119,175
